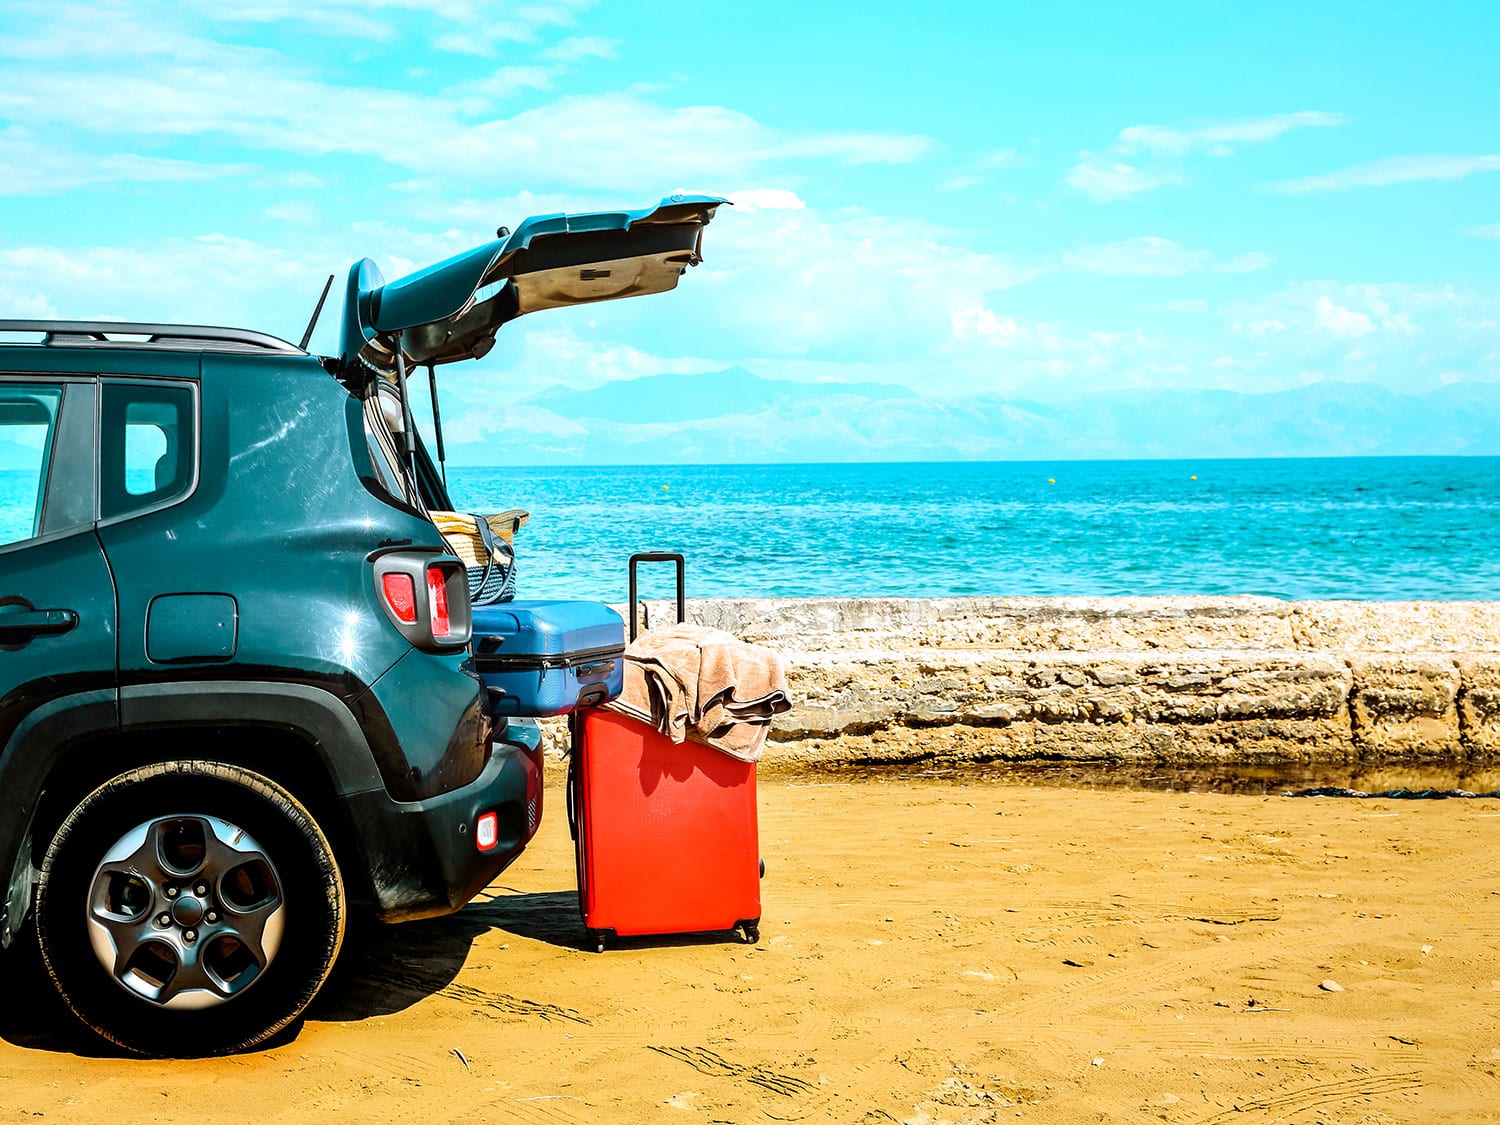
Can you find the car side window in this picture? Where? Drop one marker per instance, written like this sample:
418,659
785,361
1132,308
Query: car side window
28,423
147,444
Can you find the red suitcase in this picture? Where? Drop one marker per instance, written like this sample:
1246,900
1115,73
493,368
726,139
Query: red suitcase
665,832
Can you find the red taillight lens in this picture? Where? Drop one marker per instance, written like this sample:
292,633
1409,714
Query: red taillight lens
401,595
487,831
437,601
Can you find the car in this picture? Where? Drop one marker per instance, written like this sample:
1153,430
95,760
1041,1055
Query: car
237,692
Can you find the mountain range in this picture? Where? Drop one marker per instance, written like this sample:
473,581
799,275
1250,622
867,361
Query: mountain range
737,416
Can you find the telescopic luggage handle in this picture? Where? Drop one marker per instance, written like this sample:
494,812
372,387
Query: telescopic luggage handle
652,557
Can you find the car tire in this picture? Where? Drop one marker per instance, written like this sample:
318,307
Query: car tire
189,908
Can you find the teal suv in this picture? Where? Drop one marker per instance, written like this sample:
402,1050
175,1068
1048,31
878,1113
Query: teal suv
236,689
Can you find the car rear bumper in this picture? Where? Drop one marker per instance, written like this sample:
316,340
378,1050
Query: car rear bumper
421,856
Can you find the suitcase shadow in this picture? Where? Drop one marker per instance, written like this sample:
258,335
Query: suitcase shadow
549,916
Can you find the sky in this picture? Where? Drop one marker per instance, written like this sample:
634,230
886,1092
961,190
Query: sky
1031,201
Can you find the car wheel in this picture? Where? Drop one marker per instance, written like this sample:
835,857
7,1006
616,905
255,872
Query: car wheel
189,908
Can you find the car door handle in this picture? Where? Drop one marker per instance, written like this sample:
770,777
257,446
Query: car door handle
30,623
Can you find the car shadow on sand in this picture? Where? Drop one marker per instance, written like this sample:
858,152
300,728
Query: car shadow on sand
33,1016
383,969
386,969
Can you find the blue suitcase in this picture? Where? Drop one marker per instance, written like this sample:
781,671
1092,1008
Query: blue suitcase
544,658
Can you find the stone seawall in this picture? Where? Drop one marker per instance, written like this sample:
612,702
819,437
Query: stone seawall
1187,680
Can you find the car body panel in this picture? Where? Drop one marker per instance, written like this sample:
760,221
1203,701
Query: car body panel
451,310
219,593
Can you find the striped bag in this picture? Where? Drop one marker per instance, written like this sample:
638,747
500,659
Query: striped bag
486,546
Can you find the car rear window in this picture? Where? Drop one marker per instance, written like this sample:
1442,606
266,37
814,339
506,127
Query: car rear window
148,446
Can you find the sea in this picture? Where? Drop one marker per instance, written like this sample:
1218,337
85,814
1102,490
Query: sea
1358,528
1362,528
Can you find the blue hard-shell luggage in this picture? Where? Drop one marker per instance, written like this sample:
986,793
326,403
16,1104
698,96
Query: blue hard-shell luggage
544,658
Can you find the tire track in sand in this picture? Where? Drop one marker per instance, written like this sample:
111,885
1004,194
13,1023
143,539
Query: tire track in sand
1315,1096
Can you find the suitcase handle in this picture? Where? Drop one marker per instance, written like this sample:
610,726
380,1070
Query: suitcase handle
570,793
658,556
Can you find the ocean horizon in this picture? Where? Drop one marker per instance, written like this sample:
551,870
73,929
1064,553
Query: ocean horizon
1364,528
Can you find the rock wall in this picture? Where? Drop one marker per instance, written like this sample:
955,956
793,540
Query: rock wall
1189,680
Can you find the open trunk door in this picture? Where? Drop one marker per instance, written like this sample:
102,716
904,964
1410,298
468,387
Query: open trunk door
452,310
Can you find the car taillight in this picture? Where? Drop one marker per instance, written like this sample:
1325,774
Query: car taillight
401,595
426,598
437,601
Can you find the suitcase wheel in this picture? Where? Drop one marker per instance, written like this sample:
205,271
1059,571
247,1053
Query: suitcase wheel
750,929
598,939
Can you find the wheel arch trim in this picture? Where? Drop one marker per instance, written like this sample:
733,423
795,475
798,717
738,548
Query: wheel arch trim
26,761
319,716
42,740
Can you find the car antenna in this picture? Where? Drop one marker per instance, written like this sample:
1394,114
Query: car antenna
313,323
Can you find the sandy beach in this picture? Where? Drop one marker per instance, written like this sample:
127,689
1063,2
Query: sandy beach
930,952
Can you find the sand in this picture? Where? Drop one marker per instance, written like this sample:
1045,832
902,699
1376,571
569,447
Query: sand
929,952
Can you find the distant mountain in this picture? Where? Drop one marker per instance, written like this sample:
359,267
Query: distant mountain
690,398
737,416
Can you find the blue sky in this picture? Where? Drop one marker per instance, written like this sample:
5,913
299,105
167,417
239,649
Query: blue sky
1039,201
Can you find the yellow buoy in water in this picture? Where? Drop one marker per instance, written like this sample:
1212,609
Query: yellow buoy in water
664,488
1193,477
1051,480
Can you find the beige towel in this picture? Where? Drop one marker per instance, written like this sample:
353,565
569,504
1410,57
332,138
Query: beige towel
695,680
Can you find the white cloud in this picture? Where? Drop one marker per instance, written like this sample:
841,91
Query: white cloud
295,212
999,158
765,199
980,169
1218,138
576,48
290,181
484,30
960,182
1397,335
1339,321
1136,257
564,351
1391,170
975,322
606,142
177,279
1115,173
33,167
330,19
1105,179
122,29
811,284
511,80
112,32
1490,230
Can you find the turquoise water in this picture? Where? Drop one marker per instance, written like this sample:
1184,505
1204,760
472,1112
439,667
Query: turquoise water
1363,528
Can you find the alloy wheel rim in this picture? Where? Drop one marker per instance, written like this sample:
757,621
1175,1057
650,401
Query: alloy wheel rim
186,911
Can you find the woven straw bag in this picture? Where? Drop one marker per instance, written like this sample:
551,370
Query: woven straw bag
485,545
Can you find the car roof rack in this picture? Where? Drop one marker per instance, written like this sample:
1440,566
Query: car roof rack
174,337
